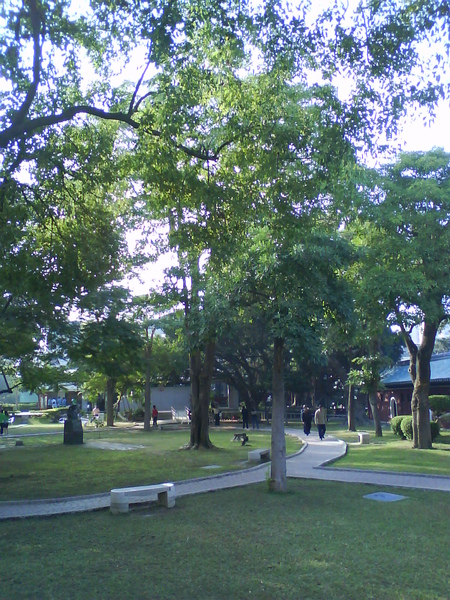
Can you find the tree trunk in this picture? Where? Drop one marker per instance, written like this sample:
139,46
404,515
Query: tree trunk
110,393
201,380
351,409
278,481
148,392
147,398
373,401
419,400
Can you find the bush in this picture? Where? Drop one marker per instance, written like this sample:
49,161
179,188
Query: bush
396,423
439,404
138,415
435,429
444,421
407,427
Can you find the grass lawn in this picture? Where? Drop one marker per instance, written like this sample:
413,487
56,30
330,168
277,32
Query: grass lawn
45,467
320,541
390,453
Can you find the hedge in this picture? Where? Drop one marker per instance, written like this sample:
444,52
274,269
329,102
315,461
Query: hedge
407,427
439,404
396,423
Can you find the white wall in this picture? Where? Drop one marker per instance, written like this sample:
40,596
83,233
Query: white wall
177,396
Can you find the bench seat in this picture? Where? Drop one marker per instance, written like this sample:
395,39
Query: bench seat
121,498
259,455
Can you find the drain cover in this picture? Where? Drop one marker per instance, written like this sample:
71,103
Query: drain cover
385,497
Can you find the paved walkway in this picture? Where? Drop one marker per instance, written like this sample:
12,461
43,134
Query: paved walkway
309,463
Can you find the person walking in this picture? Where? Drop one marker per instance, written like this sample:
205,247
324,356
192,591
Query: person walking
155,416
3,421
307,420
320,419
244,411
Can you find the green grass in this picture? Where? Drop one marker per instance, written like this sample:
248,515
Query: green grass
45,467
320,541
390,453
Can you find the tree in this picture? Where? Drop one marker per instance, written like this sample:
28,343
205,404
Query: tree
243,356
393,55
109,344
61,238
407,268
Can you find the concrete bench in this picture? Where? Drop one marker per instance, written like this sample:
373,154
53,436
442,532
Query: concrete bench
259,455
121,498
364,437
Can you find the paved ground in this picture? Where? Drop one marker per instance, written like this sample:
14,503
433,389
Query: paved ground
309,463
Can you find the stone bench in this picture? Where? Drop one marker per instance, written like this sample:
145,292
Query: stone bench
121,498
259,455
364,437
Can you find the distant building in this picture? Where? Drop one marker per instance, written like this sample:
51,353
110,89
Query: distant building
395,398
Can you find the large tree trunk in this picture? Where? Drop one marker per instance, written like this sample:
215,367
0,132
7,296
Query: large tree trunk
373,401
201,380
110,393
419,401
278,481
351,409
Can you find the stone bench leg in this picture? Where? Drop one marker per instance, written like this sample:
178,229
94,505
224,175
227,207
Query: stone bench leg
167,498
119,503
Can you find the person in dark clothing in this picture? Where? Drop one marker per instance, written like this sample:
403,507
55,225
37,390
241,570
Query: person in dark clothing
244,417
307,420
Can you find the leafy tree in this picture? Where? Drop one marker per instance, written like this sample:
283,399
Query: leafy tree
407,266
243,357
109,343
63,238
393,56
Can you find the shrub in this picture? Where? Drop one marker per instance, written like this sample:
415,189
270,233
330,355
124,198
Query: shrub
444,421
435,428
396,423
407,427
439,404
138,414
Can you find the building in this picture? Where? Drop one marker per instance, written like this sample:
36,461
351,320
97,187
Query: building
395,398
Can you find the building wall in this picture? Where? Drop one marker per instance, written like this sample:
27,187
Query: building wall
166,397
402,397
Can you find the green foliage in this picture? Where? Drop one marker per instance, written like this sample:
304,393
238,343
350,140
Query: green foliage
407,427
138,414
435,429
439,404
396,425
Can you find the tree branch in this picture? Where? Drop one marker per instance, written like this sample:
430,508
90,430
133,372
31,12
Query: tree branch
36,21
29,126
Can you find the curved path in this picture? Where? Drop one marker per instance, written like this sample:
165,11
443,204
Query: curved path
309,463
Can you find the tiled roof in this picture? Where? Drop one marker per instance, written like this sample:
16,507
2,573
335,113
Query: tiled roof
440,370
